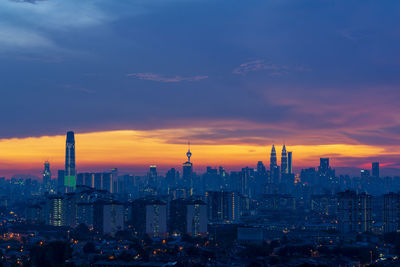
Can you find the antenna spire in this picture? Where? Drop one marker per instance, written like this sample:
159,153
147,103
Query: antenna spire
189,154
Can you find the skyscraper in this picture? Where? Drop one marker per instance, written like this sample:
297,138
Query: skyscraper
70,172
171,177
261,171
223,206
273,160
46,176
391,212
323,165
152,175
354,212
290,163
60,181
274,168
284,161
375,169
325,172
187,171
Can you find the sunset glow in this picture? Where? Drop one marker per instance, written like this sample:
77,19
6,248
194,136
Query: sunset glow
135,150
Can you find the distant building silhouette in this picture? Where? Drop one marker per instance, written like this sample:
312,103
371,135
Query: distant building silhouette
290,163
60,181
152,176
187,172
223,206
46,176
188,217
354,212
284,162
391,212
70,171
375,169
325,172
274,168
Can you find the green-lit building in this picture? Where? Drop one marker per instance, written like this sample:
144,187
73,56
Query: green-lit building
70,171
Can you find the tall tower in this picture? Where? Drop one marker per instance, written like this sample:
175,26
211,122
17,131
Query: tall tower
274,168
189,154
70,171
46,176
284,161
290,163
188,170
273,160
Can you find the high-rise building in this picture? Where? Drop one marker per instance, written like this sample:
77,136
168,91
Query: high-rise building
69,209
188,217
211,179
177,216
274,168
323,165
108,217
107,181
152,176
98,181
149,217
284,162
223,206
325,172
80,179
261,171
187,171
46,176
375,169
273,160
354,212
60,181
246,175
55,211
70,171
172,178
196,218
84,212
88,179
391,212
290,163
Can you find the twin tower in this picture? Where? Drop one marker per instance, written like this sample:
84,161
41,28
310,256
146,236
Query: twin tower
286,168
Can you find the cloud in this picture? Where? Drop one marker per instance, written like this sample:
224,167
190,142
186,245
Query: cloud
14,37
164,79
272,69
54,15
258,65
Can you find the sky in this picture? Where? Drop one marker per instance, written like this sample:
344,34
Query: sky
137,79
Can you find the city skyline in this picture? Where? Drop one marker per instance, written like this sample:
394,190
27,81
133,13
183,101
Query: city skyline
173,154
199,133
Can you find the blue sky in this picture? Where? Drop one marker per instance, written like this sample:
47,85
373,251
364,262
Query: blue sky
293,70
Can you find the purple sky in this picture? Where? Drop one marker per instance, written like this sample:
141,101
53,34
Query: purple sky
304,72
